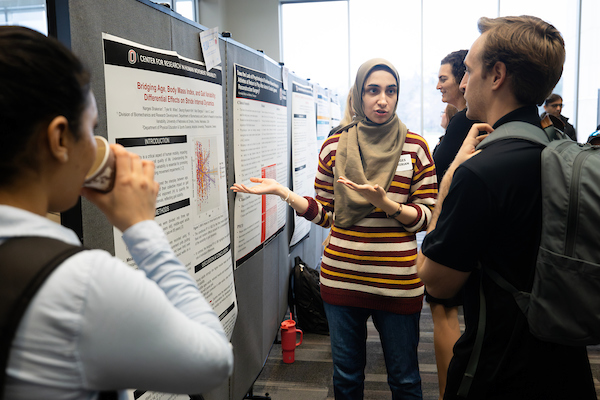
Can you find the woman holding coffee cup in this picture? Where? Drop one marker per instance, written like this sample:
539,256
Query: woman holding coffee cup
82,331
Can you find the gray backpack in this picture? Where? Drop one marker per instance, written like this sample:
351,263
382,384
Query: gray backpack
564,304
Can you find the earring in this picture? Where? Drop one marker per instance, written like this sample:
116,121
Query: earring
65,157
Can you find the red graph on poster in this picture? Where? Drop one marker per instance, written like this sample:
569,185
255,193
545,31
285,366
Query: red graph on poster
206,172
269,206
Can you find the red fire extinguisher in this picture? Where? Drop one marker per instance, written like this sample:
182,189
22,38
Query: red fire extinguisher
288,339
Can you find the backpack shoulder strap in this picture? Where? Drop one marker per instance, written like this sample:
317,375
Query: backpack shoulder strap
467,380
521,130
25,263
522,300
292,283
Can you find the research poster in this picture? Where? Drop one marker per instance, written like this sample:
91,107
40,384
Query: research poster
304,151
169,109
260,150
336,110
323,115
143,395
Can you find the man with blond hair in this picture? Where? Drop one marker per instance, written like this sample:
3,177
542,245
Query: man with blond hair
489,216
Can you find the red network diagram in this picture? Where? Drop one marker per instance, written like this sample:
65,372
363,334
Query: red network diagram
205,175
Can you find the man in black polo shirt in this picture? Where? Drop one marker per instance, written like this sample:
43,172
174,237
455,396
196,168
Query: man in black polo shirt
489,214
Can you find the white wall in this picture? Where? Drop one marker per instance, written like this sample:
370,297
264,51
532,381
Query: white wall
211,13
254,23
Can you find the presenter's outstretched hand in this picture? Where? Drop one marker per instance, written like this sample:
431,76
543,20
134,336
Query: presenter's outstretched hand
373,194
133,198
265,186
377,196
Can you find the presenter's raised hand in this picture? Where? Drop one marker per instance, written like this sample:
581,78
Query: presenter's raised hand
133,198
265,186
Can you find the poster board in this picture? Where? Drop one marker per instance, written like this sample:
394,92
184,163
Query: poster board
260,133
261,283
304,153
168,109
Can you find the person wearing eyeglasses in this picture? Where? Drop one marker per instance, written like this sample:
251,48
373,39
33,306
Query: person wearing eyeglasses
554,106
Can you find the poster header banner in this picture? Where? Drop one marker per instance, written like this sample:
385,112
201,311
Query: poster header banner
129,56
256,85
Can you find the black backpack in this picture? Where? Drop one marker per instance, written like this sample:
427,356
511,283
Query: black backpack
305,299
25,264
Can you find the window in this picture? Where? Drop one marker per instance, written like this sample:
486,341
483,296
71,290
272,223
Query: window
447,27
187,8
416,34
563,15
588,104
31,14
315,42
392,31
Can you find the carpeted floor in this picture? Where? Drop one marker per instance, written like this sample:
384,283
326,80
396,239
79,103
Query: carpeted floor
309,377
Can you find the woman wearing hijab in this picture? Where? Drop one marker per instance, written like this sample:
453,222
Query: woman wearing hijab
375,187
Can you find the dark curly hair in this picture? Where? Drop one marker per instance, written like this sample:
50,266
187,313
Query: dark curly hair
456,59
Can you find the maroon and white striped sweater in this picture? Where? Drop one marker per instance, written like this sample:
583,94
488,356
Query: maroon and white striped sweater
372,264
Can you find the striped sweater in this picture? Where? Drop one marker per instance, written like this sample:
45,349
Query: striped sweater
372,264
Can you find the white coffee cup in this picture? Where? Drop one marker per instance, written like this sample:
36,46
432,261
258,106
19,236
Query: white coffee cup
102,173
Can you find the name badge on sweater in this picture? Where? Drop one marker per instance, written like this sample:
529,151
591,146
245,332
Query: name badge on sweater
405,163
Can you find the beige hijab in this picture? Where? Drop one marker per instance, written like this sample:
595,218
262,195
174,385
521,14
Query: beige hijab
367,153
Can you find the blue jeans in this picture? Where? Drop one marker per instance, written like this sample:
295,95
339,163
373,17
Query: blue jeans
399,335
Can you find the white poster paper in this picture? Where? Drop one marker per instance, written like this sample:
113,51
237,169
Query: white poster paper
304,151
169,109
209,41
336,110
260,137
142,395
323,116
285,74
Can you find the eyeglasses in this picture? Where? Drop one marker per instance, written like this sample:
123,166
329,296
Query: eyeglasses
555,105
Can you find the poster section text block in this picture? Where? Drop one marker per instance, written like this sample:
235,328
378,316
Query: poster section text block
260,150
304,154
